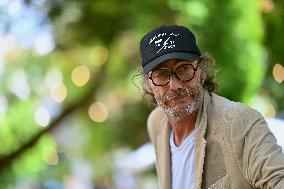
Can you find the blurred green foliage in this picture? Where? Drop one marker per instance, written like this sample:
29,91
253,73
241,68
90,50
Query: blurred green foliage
244,37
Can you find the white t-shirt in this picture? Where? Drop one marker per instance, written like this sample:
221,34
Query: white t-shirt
182,163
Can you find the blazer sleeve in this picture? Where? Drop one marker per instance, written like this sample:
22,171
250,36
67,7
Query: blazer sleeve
257,152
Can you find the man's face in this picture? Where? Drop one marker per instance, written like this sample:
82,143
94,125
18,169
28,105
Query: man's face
178,98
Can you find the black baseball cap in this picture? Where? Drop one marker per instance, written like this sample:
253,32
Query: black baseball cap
165,43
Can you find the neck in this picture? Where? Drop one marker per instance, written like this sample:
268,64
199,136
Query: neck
182,128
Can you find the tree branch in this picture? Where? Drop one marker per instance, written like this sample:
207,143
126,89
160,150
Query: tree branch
7,161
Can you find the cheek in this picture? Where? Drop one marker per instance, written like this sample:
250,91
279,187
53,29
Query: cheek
159,91
193,84
156,90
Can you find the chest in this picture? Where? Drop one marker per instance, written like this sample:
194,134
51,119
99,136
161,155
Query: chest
182,164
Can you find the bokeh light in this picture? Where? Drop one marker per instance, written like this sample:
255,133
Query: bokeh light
18,84
42,116
59,93
264,104
80,75
44,43
7,49
270,110
278,73
98,112
268,6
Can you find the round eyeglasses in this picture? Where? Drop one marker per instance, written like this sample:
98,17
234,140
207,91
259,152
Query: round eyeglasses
184,72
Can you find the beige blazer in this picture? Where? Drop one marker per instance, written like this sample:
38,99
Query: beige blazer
234,148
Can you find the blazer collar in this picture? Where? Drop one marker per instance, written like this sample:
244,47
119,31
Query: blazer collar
164,160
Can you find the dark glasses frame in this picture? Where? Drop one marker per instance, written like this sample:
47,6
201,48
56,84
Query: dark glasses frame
174,73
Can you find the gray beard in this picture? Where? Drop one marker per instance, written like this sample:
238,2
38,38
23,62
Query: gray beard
181,113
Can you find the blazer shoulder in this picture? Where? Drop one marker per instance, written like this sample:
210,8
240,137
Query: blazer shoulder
227,106
235,116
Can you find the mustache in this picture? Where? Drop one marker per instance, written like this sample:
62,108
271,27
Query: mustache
178,94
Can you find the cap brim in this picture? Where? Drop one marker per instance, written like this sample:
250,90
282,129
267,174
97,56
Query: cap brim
169,56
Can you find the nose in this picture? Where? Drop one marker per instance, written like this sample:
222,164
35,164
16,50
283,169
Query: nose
175,83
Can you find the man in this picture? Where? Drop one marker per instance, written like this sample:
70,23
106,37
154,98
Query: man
202,140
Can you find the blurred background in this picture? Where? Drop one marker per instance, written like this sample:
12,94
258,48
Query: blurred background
72,114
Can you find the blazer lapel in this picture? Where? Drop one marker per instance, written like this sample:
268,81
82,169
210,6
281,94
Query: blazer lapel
199,161
200,142
164,161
